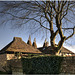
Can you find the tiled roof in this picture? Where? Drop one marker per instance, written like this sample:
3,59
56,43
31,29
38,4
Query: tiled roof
17,45
65,50
49,50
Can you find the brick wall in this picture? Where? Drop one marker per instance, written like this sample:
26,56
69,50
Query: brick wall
16,66
17,71
3,61
68,65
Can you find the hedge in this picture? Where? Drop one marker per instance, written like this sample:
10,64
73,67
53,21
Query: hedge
42,65
1,72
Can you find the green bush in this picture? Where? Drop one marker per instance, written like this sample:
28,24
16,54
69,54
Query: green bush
42,65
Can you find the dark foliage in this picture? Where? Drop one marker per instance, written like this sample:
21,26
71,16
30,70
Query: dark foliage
42,65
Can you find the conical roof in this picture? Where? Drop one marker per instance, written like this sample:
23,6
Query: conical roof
46,43
29,41
34,43
17,45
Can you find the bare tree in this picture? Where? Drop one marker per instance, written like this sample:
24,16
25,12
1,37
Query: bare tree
53,12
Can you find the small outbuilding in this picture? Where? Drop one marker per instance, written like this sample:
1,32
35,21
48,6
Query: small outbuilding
16,49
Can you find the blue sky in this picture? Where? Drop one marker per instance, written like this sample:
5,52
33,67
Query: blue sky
7,35
7,32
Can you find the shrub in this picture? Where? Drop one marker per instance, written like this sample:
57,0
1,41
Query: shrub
42,65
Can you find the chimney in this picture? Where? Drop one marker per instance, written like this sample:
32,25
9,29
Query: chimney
29,41
46,43
34,43
17,39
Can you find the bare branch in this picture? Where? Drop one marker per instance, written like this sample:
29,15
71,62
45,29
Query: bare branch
67,28
71,34
41,12
57,31
42,25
